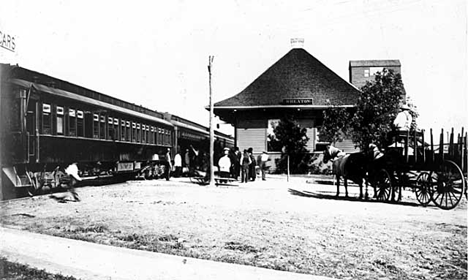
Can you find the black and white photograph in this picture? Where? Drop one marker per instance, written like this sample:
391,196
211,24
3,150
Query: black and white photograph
234,139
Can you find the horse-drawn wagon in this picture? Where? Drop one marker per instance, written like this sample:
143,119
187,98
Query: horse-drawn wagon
435,172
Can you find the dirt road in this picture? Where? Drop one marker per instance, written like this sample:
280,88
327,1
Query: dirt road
260,224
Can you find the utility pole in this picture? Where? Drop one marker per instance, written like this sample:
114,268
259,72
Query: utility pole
210,61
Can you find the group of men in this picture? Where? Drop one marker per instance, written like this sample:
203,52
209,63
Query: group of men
236,164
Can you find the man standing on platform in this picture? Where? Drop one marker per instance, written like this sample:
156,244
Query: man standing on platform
253,165
263,160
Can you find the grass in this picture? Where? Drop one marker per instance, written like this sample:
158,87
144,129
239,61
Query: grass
15,271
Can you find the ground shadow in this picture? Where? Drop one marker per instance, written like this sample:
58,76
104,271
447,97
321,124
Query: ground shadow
330,196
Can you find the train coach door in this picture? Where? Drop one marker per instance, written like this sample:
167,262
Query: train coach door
31,130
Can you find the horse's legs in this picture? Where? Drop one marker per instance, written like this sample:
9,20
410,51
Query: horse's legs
360,190
337,185
346,185
367,193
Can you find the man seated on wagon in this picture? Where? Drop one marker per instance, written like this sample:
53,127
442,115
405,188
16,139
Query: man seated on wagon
403,120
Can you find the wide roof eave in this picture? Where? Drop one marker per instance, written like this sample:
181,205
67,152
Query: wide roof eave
279,107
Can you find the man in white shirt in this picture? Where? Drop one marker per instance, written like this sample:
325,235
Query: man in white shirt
404,119
178,164
224,164
263,161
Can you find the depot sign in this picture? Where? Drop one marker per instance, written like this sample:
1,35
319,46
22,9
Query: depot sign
7,41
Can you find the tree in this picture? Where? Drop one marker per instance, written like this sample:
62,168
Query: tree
376,109
335,126
293,140
373,116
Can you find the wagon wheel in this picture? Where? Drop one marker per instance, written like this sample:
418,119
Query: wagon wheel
383,184
449,184
423,188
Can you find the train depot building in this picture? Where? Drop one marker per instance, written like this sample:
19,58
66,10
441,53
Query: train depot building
298,84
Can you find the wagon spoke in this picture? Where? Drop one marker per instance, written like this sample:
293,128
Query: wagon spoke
435,199
450,196
442,199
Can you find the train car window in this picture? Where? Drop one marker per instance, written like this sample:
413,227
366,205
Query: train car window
59,114
88,124
134,134
143,133
102,127
116,129
95,125
129,132
161,136
158,135
150,134
71,122
46,119
122,130
138,131
80,123
110,128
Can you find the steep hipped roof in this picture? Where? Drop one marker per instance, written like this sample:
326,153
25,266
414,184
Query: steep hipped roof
297,75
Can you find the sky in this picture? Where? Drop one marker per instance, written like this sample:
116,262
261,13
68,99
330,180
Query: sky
155,53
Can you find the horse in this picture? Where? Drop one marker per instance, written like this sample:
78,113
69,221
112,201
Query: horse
349,166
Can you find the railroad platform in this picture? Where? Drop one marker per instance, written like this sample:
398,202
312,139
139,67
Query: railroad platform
85,260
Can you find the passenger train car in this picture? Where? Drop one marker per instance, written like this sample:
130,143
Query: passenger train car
47,123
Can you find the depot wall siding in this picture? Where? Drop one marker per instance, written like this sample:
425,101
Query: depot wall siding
252,134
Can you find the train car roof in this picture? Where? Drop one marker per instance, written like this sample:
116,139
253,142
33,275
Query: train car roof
88,100
190,127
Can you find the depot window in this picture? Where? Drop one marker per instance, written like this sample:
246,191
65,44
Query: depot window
273,144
